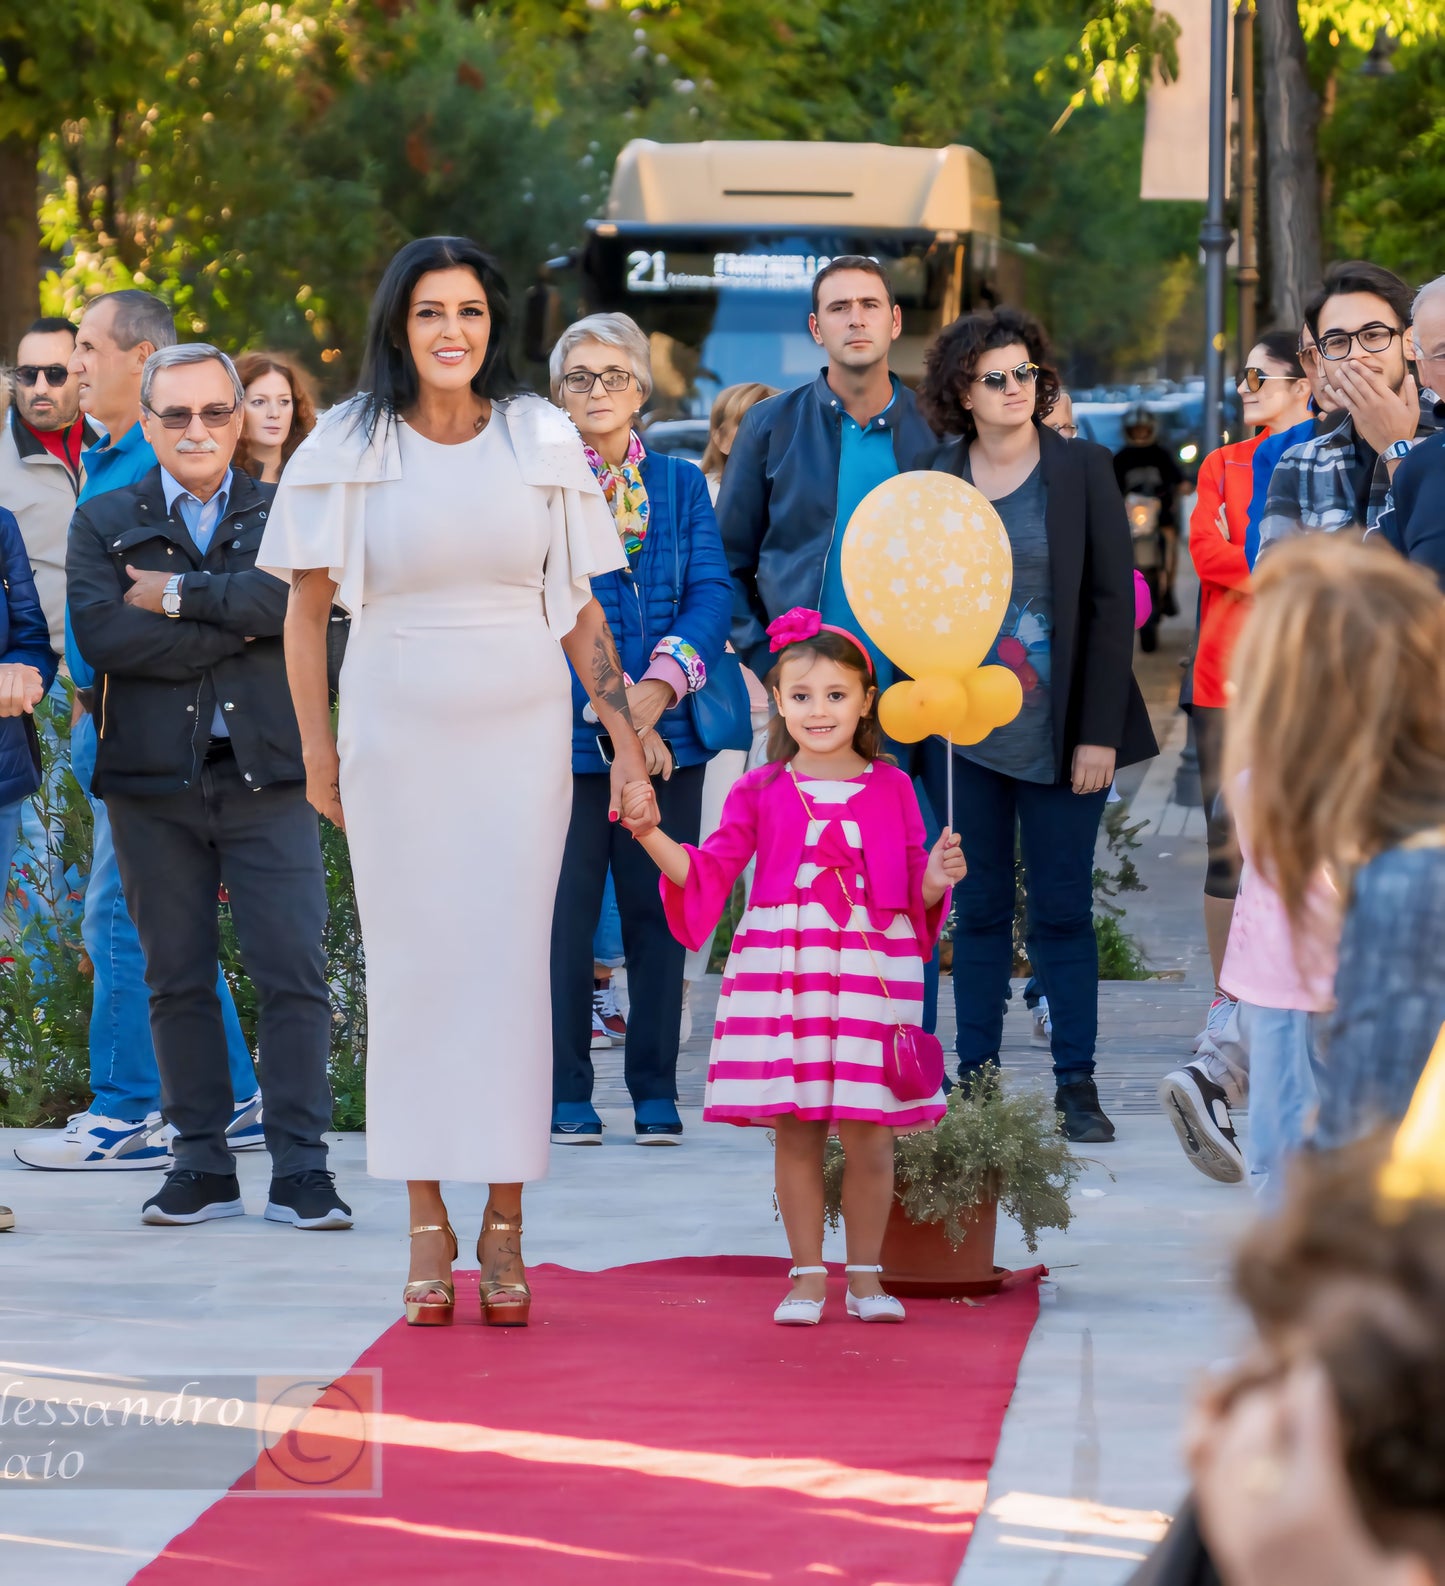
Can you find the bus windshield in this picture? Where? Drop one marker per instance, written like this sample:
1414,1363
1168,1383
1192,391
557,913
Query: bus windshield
721,309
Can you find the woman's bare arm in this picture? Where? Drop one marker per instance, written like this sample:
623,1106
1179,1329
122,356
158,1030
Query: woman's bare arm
307,614
592,651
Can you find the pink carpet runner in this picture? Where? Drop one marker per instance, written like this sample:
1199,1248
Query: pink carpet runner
651,1428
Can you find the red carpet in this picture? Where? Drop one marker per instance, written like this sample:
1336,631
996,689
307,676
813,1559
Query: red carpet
651,1426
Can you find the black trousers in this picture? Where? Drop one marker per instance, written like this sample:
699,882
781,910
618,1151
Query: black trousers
175,851
654,955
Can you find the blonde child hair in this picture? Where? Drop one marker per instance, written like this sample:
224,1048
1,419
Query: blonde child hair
1338,712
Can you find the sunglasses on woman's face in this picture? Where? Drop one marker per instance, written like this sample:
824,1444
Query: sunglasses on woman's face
998,379
1253,378
56,374
214,416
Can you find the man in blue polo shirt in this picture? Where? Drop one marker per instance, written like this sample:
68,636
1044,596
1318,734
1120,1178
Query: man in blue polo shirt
121,1127
803,461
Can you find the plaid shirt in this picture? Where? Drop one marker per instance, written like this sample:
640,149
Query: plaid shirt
1312,488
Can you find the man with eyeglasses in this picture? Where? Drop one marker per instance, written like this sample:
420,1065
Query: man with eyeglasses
802,461
1414,517
40,450
122,1128
1359,357
199,763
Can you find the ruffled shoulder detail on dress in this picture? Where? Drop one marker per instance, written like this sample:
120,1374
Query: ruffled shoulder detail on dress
546,444
339,451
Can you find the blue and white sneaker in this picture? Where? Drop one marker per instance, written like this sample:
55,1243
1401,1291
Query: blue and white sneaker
243,1133
93,1143
576,1123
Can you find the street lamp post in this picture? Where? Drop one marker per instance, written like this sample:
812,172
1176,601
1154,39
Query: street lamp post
1247,276
1214,234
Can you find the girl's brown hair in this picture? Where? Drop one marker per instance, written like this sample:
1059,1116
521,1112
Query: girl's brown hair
251,366
867,736
1363,1293
1338,715
728,407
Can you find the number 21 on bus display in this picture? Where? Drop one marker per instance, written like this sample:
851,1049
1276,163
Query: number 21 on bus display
638,265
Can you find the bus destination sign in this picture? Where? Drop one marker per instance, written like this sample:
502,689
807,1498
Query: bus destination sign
747,272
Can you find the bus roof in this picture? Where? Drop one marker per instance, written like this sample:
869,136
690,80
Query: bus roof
857,186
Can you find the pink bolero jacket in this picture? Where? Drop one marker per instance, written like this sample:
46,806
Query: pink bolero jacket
763,815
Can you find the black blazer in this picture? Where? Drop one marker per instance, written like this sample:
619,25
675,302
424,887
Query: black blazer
1091,570
159,679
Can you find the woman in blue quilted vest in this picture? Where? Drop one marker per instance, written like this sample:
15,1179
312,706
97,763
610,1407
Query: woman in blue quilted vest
669,610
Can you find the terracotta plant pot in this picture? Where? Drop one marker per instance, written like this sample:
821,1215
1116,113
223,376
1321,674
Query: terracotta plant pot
919,1261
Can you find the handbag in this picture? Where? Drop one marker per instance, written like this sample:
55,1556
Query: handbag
722,713
913,1063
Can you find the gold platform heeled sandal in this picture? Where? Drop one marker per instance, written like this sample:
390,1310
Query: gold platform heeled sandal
503,1304
424,1312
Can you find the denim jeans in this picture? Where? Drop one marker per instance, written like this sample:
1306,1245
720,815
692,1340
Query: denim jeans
123,1076
1057,829
1283,1090
607,938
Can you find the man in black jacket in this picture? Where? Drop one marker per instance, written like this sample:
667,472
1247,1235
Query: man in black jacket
1414,517
803,461
199,763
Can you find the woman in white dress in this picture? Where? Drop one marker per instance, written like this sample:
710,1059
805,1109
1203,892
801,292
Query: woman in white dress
458,523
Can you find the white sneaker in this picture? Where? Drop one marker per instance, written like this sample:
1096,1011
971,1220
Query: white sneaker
1041,1024
601,1037
684,1029
244,1132
93,1143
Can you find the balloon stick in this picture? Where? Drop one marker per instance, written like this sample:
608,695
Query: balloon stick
950,782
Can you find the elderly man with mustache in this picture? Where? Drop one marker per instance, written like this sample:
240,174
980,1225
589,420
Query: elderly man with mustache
199,763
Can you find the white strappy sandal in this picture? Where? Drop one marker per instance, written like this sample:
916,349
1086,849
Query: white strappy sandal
795,1312
874,1307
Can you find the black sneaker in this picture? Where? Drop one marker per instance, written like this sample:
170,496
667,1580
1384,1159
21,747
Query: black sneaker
1084,1121
307,1200
1199,1110
191,1197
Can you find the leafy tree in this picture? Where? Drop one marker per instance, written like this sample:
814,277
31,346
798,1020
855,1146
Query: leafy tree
59,62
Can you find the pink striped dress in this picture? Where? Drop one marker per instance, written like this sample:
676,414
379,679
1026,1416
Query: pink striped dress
802,1015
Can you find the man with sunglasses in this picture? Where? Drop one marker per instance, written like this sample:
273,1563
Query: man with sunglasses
1360,357
121,1128
1414,517
40,450
199,763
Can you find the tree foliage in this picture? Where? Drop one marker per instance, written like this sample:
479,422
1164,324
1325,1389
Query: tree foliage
258,160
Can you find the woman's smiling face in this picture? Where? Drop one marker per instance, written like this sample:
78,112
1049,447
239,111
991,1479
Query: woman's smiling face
448,328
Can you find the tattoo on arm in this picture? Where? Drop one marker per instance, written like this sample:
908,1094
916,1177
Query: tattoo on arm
608,685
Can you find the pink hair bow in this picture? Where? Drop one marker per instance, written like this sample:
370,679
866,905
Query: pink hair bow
801,624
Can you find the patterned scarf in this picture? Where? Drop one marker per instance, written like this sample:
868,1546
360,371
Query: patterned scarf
625,492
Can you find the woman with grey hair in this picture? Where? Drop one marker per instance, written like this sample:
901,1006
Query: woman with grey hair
669,609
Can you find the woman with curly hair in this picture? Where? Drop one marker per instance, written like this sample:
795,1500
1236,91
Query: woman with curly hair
280,413
1041,781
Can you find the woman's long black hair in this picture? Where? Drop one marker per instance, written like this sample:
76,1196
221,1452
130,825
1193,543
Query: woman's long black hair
389,381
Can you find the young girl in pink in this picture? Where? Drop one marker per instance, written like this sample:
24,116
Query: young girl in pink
846,906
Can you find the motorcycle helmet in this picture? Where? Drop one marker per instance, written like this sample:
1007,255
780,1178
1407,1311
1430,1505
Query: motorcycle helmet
1140,418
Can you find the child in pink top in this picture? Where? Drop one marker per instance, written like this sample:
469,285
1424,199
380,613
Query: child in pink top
1283,986
845,908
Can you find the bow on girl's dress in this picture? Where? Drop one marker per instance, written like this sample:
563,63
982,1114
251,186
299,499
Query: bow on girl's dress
838,885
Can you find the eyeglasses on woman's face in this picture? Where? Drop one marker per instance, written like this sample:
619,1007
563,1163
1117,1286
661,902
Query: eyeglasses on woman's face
1068,431
580,382
1252,379
1374,337
215,416
997,379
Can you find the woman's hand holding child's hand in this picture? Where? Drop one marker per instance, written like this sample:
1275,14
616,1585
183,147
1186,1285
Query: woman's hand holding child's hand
946,865
639,809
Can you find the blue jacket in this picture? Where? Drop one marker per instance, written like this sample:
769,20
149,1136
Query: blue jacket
24,637
1414,517
679,586
779,502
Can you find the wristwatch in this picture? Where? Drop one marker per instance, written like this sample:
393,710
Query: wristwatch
1396,450
171,596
